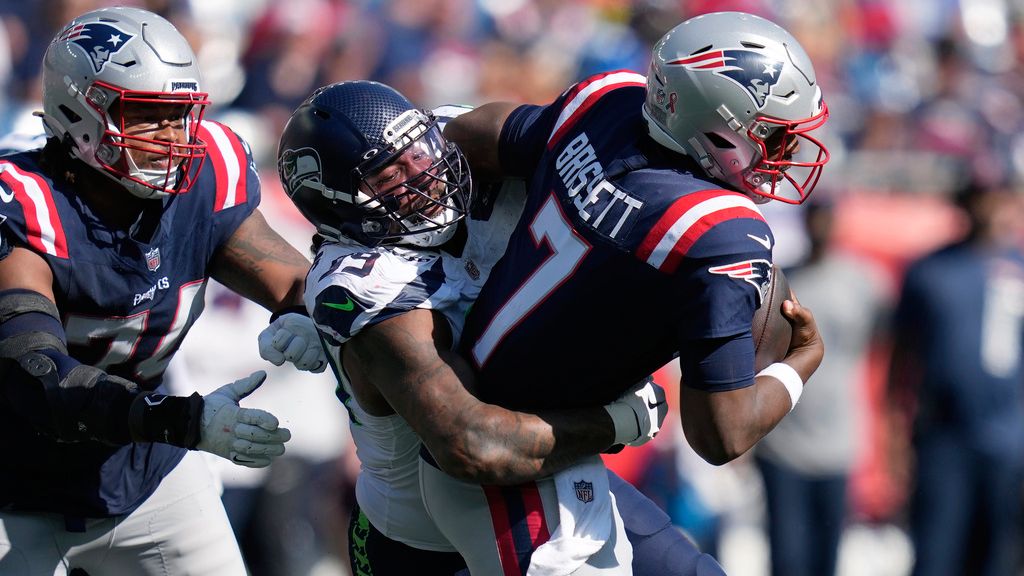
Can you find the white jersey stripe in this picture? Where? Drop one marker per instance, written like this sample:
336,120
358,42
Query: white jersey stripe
690,218
573,105
232,163
47,233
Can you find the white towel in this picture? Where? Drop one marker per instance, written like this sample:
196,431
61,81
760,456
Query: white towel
584,520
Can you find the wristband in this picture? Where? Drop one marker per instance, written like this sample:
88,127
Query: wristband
175,420
627,429
790,379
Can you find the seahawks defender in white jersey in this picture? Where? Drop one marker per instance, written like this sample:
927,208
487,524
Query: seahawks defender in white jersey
383,188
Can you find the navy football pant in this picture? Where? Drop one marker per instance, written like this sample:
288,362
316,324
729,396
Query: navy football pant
659,548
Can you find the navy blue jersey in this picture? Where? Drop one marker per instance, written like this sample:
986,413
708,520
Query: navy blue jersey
962,309
624,256
125,306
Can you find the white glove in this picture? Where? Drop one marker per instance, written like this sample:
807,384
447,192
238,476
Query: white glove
246,436
293,337
638,413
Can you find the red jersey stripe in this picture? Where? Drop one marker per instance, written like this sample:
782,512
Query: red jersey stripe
687,220
698,229
586,94
43,227
230,165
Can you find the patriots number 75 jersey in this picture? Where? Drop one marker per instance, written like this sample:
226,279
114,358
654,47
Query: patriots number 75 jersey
624,255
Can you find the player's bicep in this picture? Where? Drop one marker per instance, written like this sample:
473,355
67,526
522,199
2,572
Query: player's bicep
259,264
407,359
24,269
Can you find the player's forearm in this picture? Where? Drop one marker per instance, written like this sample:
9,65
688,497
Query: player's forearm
498,446
721,426
407,360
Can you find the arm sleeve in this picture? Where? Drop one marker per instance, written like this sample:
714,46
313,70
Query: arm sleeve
718,364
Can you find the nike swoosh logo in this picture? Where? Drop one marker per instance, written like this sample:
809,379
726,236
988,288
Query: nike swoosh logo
346,307
653,405
766,241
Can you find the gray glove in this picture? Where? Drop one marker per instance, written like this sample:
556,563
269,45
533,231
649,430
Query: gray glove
246,436
293,338
638,413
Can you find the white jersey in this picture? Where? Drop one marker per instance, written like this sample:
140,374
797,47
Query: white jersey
351,287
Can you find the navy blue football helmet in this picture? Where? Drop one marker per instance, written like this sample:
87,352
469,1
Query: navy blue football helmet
360,161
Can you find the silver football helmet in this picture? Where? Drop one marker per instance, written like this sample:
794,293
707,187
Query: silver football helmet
738,94
118,68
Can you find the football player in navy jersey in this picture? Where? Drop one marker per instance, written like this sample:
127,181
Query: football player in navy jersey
393,278
640,242
108,237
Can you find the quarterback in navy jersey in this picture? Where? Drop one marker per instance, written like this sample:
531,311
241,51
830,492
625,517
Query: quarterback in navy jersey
109,235
652,253
641,241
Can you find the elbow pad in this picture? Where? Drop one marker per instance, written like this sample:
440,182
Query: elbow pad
86,404
56,394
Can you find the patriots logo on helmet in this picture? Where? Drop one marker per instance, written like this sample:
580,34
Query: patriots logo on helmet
756,72
99,40
757,273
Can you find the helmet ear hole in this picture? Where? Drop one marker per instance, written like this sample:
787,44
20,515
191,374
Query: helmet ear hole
718,141
69,114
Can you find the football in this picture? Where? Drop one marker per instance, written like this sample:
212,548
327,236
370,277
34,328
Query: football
772,331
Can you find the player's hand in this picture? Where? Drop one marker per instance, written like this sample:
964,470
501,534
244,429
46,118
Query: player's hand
246,436
293,338
638,413
806,349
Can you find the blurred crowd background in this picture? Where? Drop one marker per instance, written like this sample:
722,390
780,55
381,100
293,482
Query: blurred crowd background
927,101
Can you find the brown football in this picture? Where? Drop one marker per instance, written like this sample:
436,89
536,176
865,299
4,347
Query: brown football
772,331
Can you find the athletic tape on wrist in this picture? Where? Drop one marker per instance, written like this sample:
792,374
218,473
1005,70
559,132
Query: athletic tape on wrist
627,428
790,379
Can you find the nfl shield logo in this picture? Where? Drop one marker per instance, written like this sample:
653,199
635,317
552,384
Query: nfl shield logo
584,491
153,259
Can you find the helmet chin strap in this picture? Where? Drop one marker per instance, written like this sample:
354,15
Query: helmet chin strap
157,178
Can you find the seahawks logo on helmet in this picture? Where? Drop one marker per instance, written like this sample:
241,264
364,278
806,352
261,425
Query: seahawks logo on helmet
757,73
300,166
99,40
